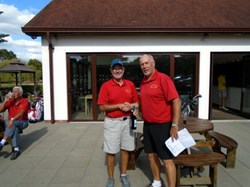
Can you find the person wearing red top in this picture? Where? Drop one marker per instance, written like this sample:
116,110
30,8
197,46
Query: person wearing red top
116,98
17,107
160,108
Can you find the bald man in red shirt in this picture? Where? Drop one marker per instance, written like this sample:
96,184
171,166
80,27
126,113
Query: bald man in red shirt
160,107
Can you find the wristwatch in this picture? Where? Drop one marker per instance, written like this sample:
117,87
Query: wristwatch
174,125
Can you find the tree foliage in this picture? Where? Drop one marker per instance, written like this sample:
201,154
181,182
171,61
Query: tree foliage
6,55
2,36
36,65
26,77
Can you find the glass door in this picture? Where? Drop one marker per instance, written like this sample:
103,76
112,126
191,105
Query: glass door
132,69
246,85
185,75
86,74
103,74
162,63
80,87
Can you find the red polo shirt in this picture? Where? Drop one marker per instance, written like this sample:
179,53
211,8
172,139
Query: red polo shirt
155,98
113,93
15,107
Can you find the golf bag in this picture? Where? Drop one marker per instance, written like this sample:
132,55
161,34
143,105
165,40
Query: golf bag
35,113
188,105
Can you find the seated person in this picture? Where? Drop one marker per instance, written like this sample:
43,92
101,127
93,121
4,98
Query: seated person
2,126
2,123
17,107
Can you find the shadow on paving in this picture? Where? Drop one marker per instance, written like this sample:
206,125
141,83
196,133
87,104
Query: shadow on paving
143,164
26,140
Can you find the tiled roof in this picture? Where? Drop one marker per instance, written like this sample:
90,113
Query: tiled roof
77,16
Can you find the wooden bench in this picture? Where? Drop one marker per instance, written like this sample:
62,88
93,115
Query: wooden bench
204,143
133,155
223,141
210,159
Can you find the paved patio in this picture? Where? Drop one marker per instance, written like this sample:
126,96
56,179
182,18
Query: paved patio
71,155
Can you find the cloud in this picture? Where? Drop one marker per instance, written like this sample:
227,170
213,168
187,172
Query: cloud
24,49
22,45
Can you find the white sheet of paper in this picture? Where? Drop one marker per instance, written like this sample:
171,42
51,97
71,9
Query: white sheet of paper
185,140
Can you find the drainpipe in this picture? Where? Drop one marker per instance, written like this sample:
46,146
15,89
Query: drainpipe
51,75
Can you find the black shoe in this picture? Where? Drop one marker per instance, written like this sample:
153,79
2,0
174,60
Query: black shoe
14,155
1,147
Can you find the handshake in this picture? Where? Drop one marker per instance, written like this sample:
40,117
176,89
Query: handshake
127,107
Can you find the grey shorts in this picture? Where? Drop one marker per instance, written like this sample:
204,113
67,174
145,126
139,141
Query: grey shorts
118,135
222,93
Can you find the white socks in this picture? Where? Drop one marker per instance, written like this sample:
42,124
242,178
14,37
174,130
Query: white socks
156,183
3,141
16,148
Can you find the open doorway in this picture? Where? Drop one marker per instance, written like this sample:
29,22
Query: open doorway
236,70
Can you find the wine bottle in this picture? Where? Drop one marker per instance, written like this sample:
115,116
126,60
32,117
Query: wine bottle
133,119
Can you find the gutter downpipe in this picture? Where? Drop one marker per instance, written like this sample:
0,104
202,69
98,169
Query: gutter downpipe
51,75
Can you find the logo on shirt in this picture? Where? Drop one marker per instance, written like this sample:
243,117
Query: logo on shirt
128,91
153,86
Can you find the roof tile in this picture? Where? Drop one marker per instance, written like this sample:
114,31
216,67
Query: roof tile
142,16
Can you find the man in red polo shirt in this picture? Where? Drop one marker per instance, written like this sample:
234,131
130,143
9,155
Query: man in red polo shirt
160,108
17,107
116,98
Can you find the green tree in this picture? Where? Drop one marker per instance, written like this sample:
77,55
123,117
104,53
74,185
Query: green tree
36,65
6,55
2,36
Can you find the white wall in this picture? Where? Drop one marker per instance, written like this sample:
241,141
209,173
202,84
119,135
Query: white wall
109,44
46,81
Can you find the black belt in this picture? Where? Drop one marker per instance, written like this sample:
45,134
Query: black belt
120,119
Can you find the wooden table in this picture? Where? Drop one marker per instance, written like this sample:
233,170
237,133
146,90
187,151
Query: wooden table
201,126
196,125
211,159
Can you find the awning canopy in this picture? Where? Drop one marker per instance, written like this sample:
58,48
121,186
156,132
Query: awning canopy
18,68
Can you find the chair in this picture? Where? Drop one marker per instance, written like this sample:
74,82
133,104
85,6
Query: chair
223,141
88,109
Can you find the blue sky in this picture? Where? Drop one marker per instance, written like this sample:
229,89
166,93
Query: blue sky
16,13
33,5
